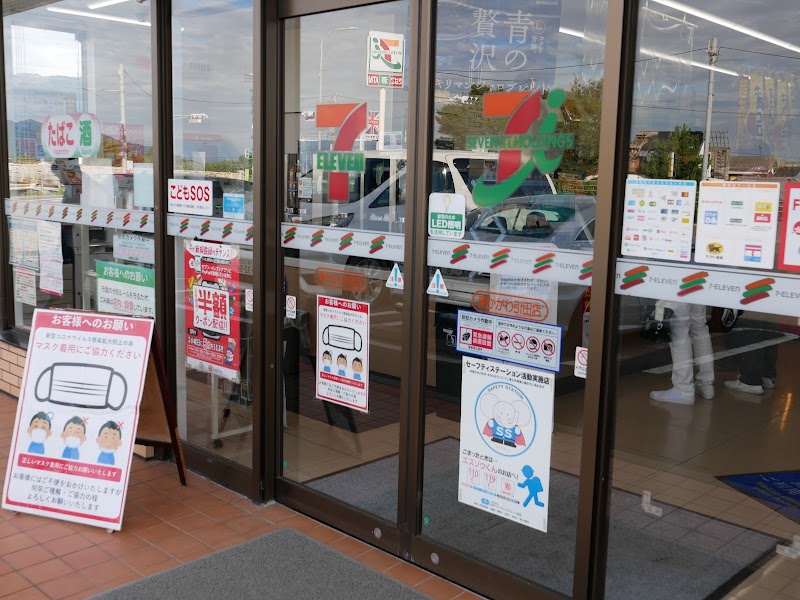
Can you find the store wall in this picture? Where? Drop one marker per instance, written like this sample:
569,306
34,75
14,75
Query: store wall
12,361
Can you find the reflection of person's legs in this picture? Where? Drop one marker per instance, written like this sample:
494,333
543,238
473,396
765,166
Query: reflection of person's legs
758,368
680,347
690,340
701,345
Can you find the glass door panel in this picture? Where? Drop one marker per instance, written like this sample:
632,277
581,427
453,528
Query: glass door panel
511,233
705,455
343,239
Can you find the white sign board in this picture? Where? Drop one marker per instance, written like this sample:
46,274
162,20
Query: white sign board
514,340
343,352
506,431
291,307
25,286
581,361
15,241
385,59
659,219
737,223
77,415
191,197
305,187
446,215
134,247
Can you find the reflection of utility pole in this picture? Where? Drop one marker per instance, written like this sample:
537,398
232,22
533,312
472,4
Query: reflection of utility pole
123,142
713,55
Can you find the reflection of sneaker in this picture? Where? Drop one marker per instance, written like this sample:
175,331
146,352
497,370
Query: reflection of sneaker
704,390
768,383
738,386
673,396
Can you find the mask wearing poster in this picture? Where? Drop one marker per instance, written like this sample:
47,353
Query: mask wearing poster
72,443
213,316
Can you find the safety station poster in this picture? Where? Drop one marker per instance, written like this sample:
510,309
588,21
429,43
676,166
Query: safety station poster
506,431
212,308
77,414
737,223
343,352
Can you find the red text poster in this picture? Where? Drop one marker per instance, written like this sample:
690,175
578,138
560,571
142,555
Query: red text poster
343,352
212,308
789,250
77,415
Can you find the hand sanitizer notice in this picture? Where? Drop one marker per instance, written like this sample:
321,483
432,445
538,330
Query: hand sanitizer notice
506,431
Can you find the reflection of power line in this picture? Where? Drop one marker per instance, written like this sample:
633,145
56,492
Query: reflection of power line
212,101
762,53
136,84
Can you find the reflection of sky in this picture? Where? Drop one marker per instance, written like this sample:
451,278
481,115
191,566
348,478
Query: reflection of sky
213,60
46,59
340,61
669,94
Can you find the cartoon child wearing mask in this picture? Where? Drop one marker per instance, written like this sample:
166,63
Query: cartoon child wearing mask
109,439
358,368
341,363
327,359
39,430
74,435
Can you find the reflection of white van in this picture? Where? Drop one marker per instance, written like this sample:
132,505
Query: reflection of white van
378,195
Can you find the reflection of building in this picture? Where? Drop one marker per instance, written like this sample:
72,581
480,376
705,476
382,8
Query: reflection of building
764,123
751,166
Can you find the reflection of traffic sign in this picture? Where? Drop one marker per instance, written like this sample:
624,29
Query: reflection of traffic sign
548,347
533,344
504,338
518,341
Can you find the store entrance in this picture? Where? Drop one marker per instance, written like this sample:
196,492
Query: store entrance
510,210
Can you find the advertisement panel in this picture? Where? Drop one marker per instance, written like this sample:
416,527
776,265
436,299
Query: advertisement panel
789,253
77,416
212,294
737,223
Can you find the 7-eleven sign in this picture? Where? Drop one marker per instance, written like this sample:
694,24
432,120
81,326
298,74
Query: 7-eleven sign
351,121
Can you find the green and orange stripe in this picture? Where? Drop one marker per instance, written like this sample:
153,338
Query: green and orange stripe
346,241
692,283
204,227
227,229
544,262
586,270
500,257
459,253
758,290
317,237
377,244
184,226
634,277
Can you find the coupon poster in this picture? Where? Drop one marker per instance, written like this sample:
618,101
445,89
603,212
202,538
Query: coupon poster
789,255
506,431
212,308
77,414
737,223
343,352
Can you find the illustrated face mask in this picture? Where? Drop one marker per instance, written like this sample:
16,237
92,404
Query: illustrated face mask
72,442
343,338
327,363
82,386
38,436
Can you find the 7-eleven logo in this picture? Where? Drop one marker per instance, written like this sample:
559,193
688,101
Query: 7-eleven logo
351,121
528,142
500,257
692,283
758,290
634,277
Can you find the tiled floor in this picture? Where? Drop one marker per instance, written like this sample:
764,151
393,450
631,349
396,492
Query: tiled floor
165,525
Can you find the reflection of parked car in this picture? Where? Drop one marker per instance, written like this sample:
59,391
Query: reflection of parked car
564,220
382,205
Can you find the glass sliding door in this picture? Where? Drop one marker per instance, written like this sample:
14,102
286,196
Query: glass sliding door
210,222
510,211
345,123
705,481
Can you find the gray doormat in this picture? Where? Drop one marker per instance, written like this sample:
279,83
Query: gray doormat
283,564
681,555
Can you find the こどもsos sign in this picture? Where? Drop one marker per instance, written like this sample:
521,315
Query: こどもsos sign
191,197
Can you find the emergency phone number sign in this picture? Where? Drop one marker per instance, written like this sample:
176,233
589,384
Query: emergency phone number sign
191,197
